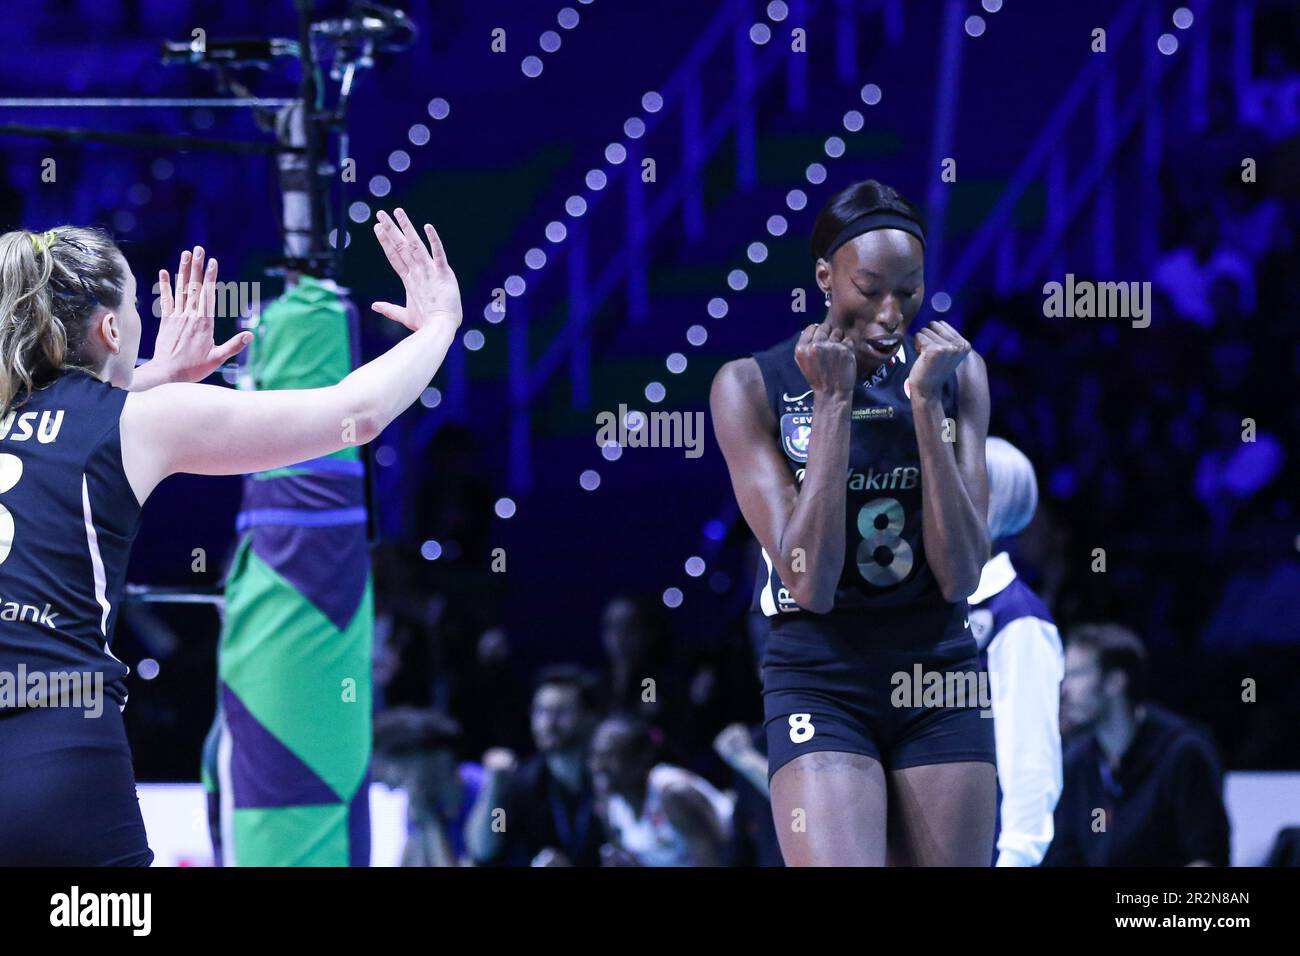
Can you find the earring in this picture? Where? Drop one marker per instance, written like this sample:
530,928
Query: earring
828,300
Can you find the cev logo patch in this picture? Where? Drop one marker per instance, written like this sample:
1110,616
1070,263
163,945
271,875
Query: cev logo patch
796,431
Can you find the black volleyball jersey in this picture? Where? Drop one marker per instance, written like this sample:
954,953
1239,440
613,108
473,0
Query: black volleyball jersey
68,517
884,558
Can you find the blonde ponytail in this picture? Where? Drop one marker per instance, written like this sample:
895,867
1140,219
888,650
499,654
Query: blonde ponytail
51,285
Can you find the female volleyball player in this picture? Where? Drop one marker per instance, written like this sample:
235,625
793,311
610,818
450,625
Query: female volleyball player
857,456
79,454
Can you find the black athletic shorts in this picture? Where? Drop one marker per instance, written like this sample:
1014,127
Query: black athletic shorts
904,686
67,790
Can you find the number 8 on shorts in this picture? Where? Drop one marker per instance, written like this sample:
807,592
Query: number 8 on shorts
801,728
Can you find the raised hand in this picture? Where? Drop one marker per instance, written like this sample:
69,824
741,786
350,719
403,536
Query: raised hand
941,349
826,359
432,294
550,856
733,743
184,349
500,760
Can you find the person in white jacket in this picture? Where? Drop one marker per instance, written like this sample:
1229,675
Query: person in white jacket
1026,664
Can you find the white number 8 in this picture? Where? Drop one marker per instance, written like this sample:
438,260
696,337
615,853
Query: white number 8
11,469
801,728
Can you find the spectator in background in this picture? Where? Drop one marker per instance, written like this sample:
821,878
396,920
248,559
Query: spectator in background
642,679
1286,848
408,621
1017,634
1046,546
543,812
1271,101
453,504
489,697
753,832
1142,786
1187,273
415,751
655,814
1238,462
1251,222
445,539
744,750
725,688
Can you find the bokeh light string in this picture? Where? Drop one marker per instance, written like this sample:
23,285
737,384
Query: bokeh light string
439,108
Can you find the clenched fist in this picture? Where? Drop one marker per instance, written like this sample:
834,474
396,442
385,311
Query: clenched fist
940,350
826,360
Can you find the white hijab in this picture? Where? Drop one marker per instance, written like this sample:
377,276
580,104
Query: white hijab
1013,490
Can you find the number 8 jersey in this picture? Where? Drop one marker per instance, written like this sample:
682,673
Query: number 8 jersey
884,557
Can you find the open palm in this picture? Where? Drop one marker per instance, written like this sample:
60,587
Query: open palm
186,320
432,293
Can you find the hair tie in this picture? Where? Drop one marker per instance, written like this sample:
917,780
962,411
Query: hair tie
43,242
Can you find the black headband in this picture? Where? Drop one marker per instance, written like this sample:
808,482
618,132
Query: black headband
872,221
